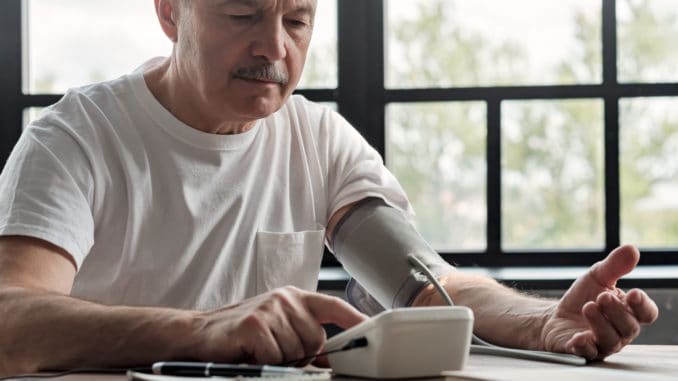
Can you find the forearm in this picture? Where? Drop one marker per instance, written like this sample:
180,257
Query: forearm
45,330
502,316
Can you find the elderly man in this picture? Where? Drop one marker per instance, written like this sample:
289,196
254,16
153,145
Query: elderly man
165,214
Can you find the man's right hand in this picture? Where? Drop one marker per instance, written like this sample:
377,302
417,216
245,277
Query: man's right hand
272,328
278,326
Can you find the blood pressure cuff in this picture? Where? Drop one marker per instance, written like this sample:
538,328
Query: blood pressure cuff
372,242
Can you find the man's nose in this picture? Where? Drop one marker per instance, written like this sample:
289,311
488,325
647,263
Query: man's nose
271,41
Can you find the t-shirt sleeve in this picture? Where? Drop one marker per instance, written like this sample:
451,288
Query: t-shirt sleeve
46,191
356,170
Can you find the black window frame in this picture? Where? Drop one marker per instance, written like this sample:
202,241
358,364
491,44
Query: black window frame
361,97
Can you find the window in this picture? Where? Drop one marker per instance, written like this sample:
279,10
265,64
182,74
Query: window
565,146
120,36
552,174
649,171
452,44
437,151
648,49
525,132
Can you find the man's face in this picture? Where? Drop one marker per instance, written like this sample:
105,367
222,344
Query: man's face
244,57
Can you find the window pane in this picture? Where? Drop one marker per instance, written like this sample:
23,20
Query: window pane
552,174
649,171
320,70
647,38
75,42
457,43
437,152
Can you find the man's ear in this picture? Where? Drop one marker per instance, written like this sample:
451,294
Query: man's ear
166,11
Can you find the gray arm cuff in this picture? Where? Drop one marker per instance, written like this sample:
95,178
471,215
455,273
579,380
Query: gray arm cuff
372,242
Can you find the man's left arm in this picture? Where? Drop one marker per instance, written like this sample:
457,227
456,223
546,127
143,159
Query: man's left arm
593,319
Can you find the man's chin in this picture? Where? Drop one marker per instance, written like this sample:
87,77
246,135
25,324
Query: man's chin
260,107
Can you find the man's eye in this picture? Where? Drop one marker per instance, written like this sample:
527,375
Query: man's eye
242,18
297,23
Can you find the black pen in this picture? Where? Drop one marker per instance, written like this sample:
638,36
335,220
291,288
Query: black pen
207,369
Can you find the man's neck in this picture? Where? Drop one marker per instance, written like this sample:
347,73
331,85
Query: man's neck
166,85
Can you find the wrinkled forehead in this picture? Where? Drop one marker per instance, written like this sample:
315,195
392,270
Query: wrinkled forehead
286,5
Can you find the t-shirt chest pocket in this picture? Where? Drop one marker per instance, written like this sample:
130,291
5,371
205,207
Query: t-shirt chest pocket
288,259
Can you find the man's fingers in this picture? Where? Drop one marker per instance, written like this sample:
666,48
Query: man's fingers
328,309
582,344
606,337
296,330
289,341
617,264
264,346
620,317
643,307
309,331
320,309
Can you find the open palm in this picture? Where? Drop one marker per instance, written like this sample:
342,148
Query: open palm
595,318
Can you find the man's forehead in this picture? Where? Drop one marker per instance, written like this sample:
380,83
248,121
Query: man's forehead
289,4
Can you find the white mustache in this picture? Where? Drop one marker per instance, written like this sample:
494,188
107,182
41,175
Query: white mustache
265,72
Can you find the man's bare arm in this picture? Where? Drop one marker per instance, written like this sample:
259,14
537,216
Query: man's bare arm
44,328
502,315
593,319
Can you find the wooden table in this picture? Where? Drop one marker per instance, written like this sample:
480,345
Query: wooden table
634,363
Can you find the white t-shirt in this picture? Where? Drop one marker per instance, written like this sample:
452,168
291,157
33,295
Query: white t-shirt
155,212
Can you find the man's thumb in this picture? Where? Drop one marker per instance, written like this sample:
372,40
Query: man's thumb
618,263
